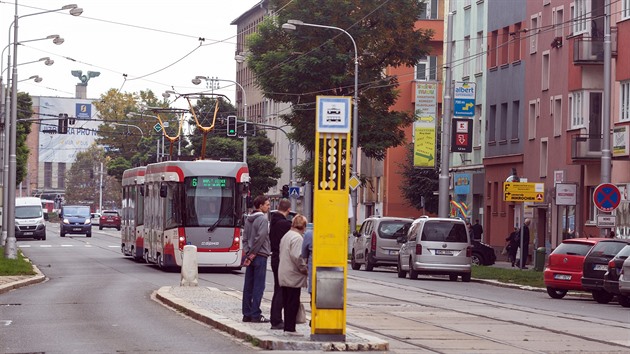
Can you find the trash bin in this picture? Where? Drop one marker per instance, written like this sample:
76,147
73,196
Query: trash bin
540,259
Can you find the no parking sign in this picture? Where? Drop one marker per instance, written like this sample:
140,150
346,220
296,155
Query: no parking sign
606,197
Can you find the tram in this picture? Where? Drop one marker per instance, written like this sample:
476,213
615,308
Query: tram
132,228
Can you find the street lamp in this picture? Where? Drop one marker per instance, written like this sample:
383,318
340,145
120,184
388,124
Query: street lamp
10,250
291,25
197,81
35,78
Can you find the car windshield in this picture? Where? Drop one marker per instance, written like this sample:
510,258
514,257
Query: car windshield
444,231
393,229
607,249
76,211
110,213
573,249
28,212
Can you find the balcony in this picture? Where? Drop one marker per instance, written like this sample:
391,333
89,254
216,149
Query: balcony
588,51
586,147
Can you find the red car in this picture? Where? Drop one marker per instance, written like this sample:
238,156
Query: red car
109,218
564,268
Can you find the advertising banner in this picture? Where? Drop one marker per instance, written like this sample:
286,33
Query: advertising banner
424,128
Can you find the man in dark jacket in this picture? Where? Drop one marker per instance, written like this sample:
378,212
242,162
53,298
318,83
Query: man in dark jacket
279,226
256,246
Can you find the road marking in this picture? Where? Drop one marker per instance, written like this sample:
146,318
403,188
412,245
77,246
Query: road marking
114,246
67,245
24,246
45,246
6,322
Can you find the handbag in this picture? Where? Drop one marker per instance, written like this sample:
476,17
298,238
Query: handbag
301,315
505,250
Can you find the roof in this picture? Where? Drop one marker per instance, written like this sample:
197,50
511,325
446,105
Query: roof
261,4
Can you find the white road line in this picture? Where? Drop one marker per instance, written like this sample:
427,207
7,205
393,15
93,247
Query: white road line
67,245
24,246
6,322
114,246
45,246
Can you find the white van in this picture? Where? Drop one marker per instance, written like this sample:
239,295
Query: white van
29,218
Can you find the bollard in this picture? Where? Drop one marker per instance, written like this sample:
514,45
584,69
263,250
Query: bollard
190,269
540,259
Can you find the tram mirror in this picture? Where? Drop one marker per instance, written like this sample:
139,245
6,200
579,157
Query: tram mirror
141,191
163,190
244,188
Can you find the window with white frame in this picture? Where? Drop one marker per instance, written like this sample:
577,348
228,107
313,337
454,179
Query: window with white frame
466,58
544,157
531,120
580,16
556,106
426,69
625,9
481,53
558,19
545,70
576,109
533,39
428,10
624,101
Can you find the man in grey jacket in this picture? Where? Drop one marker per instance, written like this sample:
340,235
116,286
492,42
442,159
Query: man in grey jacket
257,248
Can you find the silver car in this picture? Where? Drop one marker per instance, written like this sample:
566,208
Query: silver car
436,246
624,283
375,243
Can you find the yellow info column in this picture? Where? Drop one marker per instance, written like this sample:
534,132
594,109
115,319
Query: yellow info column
330,218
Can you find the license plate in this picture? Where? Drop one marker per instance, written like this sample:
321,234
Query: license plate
600,267
28,234
562,277
444,252
76,229
393,253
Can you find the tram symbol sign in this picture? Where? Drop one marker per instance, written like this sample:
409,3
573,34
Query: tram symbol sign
606,197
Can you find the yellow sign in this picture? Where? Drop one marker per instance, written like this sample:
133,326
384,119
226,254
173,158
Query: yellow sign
424,146
523,192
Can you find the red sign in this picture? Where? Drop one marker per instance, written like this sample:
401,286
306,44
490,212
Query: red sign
606,197
461,138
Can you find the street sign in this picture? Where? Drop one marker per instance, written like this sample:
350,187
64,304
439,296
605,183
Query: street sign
606,221
354,182
461,137
464,99
523,192
606,197
157,127
294,192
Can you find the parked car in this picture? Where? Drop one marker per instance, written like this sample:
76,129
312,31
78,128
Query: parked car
436,246
596,265
482,253
75,219
624,280
95,218
564,266
611,277
109,218
375,243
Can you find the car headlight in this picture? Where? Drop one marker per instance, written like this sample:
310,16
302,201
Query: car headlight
87,222
65,221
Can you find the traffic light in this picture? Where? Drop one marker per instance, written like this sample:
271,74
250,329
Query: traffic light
231,125
63,124
285,191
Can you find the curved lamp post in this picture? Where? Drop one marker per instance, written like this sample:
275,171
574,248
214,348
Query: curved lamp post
291,25
197,81
35,78
10,249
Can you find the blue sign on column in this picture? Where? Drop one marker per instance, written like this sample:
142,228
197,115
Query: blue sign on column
294,192
464,99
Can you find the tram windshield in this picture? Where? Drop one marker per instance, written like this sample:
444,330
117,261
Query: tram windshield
209,201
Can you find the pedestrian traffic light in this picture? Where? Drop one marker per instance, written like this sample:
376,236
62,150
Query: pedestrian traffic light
63,124
285,191
231,125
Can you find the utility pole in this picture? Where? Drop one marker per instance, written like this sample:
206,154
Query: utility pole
446,124
100,191
606,160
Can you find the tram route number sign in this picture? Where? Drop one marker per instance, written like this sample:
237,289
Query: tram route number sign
523,192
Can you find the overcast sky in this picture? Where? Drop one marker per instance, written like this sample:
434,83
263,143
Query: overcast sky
156,43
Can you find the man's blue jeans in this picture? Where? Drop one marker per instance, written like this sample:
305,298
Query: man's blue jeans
254,287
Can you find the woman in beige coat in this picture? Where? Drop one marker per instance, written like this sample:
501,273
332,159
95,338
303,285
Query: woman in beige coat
292,271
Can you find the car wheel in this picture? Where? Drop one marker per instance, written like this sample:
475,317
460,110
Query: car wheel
100,227
353,263
412,272
452,277
118,228
43,238
62,234
623,300
369,266
602,296
401,272
556,293
89,234
476,259
466,278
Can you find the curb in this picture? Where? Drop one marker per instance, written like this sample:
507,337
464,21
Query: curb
262,339
38,278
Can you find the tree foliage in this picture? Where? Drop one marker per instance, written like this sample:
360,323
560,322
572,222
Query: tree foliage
83,180
419,183
23,129
297,67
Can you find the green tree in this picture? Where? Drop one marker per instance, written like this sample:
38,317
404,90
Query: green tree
83,180
127,131
23,129
297,67
262,166
419,183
